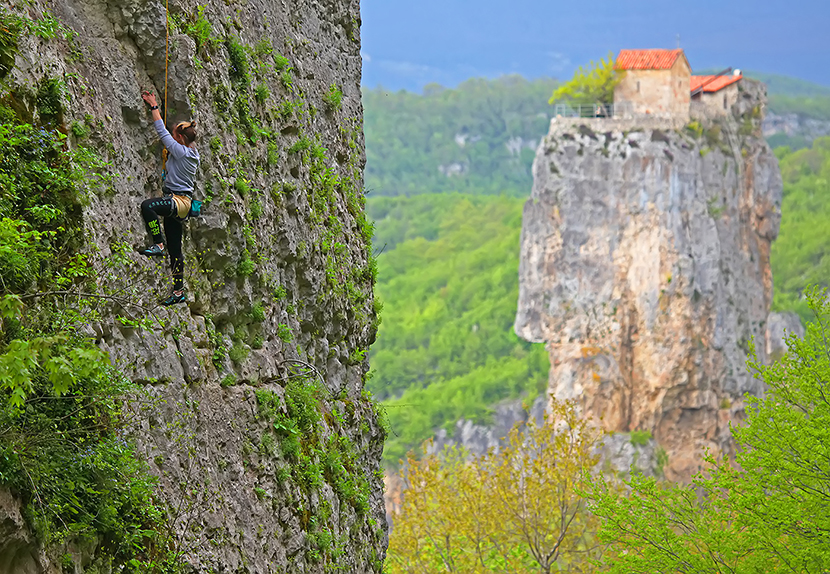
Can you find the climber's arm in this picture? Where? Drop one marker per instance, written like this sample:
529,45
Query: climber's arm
175,148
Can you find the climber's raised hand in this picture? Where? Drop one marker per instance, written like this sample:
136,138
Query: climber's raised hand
149,98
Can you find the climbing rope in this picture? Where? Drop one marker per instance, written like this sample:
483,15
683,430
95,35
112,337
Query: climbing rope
166,59
166,52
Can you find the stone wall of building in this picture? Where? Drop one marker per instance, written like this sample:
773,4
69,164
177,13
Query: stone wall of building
656,92
715,104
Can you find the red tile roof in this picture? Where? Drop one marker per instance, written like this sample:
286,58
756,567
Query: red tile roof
647,59
712,83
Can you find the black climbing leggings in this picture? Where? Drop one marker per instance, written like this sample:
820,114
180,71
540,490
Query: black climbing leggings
165,207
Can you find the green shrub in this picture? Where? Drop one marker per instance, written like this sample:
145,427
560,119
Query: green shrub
50,101
221,99
242,186
301,145
261,93
256,209
333,98
263,47
239,352
280,62
284,333
238,69
258,313
198,27
10,27
640,437
245,267
79,130
286,79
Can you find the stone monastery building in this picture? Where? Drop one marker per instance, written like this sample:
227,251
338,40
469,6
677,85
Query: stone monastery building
659,83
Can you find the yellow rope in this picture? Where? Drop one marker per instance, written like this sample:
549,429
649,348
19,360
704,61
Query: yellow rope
166,58
166,53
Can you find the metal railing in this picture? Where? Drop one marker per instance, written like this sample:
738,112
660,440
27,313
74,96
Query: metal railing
590,110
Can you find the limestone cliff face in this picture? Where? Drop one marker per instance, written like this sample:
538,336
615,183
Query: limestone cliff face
278,270
645,268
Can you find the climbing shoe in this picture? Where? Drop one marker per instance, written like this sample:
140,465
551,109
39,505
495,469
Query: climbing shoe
153,250
173,299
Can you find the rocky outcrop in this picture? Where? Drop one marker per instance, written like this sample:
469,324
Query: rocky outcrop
645,267
779,327
795,125
278,270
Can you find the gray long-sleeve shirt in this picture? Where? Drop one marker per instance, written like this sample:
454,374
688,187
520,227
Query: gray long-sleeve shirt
182,162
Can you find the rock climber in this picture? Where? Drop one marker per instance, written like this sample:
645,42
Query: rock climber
177,194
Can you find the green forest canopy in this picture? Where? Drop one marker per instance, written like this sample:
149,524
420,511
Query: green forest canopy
801,254
478,138
448,279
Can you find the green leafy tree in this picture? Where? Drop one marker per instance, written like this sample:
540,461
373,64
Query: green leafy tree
768,513
592,84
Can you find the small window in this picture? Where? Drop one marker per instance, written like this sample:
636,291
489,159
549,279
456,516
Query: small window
724,101
638,85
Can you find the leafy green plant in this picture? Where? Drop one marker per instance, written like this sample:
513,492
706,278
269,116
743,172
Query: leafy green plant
263,47
261,93
640,437
257,313
198,27
287,79
280,62
284,333
255,209
302,144
242,186
10,27
239,352
238,67
333,99
50,101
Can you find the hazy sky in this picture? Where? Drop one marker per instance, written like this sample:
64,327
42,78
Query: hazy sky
409,43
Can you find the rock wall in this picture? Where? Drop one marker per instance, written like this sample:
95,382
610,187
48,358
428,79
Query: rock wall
279,271
645,267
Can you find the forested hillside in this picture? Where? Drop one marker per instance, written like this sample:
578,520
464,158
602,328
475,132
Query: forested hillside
801,255
479,138
446,348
